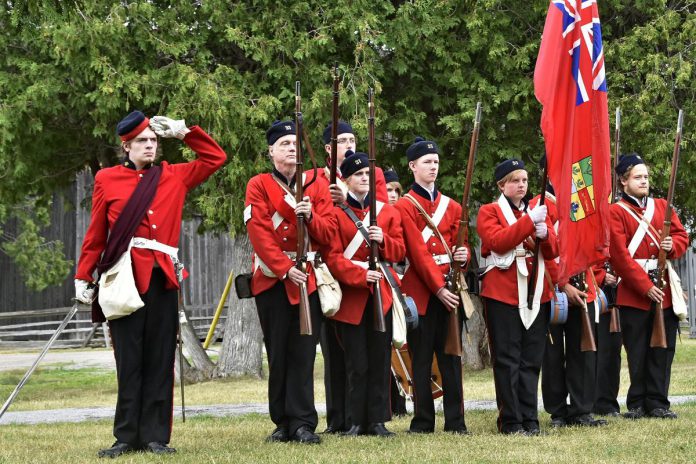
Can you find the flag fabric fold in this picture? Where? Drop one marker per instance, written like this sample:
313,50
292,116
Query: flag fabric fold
570,83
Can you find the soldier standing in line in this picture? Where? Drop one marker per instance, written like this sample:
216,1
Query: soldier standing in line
270,216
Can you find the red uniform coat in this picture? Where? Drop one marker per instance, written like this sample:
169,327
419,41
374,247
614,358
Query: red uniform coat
552,266
496,235
424,277
380,183
264,197
114,186
351,276
635,283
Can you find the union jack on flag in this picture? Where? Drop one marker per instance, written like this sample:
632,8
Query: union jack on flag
570,82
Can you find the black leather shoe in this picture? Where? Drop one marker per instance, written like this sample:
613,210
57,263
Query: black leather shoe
380,430
636,413
516,429
354,431
304,435
159,448
585,420
331,430
607,413
116,450
662,413
279,435
558,422
532,429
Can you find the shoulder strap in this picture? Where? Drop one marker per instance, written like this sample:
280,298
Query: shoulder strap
354,244
644,226
124,228
430,224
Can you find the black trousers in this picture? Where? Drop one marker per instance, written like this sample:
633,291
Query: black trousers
608,368
566,371
290,358
517,356
335,379
144,348
649,368
368,366
424,341
398,402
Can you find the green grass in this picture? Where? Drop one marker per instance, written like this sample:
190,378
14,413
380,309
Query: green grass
64,388
241,440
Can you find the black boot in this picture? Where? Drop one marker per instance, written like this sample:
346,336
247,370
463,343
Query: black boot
354,431
379,429
116,450
159,448
305,435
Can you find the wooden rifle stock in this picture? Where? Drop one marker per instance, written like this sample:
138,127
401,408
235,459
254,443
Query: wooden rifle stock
658,338
587,336
379,322
453,342
334,129
302,234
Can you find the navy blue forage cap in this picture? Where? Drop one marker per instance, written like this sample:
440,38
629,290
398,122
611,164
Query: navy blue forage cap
421,147
391,176
506,167
279,129
626,162
343,128
132,125
353,162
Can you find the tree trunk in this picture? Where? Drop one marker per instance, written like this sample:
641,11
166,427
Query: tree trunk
476,356
242,343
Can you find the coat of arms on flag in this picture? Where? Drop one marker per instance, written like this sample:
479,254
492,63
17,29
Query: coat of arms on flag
582,197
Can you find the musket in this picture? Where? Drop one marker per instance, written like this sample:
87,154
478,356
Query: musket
302,234
614,321
456,282
531,284
334,128
33,367
587,338
378,320
658,338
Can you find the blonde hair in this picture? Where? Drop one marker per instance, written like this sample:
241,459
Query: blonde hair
508,177
396,186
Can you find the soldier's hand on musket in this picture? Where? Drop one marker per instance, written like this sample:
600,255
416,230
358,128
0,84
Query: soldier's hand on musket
449,299
304,207
667,244
575,296
656,294
337,195
166,127
373,276
296,276
375,233
83,293
460,254
538,214
541,231
610,279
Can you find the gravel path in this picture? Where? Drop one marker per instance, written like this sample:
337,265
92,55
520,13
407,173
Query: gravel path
217,410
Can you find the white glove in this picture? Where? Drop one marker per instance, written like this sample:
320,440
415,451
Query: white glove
541,230
83,294
166,127
538,214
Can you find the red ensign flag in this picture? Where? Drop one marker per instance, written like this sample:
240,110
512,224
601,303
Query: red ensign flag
570,83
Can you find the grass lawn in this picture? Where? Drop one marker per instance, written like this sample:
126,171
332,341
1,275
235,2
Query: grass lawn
66,387
241,440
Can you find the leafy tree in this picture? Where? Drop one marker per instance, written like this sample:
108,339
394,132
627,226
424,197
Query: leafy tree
70,70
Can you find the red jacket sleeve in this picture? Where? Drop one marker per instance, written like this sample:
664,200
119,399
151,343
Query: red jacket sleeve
209,158
95,238
499,237
621,260
323,222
